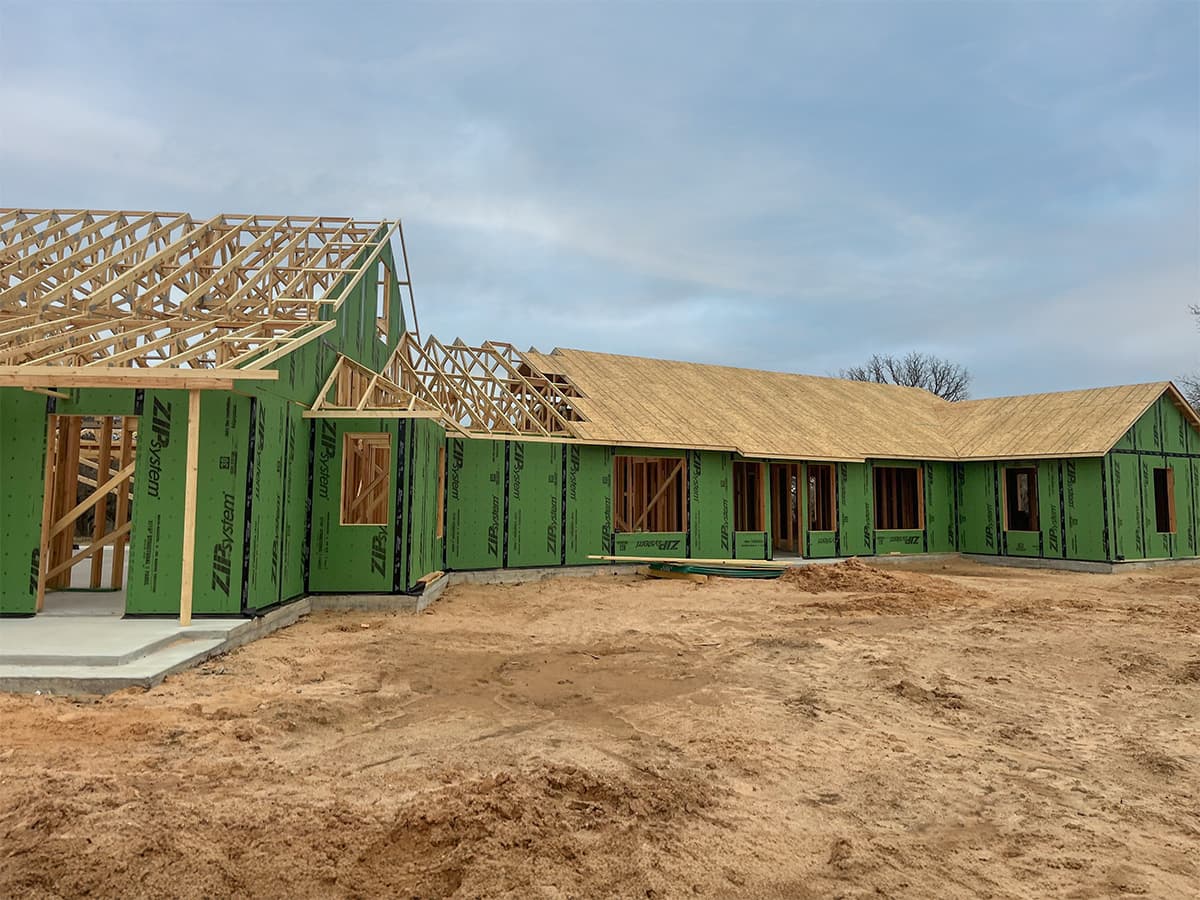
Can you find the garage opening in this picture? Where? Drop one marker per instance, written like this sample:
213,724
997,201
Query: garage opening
1020,499
649,494
899,500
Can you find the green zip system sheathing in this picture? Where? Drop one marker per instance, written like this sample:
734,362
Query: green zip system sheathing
357,558
1161,438
1070,510
855,516
535,493
22,463
710,505
157,531
474,504
589,506
156,537
424,545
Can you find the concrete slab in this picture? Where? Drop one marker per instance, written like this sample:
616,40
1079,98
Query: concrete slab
101,654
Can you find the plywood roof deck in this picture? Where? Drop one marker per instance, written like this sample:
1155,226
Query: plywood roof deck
634,401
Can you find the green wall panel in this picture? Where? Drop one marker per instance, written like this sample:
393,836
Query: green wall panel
1023,543
1176,429
899,541
820,544
589,503
1050,508
295,505
97,402
1084,502
426,438
1184,541
1147,435
710,504
750,544
664,545
474,504
856,522
978,525
220,502
941,528
534,503
266,502
351,558
22,475
1158,545
156,536
1125,490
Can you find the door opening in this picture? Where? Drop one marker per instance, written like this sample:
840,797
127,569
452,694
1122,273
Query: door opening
86,511
785,508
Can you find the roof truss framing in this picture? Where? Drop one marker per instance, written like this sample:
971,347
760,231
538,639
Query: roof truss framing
87,288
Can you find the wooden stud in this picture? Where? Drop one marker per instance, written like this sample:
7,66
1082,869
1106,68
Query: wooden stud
125,455
191,474
48,484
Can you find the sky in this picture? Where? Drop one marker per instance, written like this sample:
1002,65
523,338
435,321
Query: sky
790,186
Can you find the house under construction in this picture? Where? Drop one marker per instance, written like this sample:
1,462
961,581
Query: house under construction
216,416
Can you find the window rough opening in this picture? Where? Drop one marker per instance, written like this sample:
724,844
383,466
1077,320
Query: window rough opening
366,471
649,494
749,512
1021,499
1164,501
822,508
899,500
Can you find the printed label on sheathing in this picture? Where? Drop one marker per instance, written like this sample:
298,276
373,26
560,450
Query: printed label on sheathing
379,543
222,556
325,456
457,459
493,532
160,439
657,544
34,570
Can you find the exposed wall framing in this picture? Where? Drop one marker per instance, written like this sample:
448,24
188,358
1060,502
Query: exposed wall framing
89,482
649,494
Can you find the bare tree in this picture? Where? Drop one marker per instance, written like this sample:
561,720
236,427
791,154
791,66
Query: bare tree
939,376
1190,384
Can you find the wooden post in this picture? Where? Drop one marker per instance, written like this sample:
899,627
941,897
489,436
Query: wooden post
128,424
47,508
100,526
189,508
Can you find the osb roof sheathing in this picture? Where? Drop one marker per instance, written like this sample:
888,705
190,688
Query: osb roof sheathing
634,401
1066,423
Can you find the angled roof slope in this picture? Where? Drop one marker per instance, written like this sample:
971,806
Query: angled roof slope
632,400
1066,423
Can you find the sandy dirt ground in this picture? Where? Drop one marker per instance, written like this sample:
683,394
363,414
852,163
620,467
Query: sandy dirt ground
944,730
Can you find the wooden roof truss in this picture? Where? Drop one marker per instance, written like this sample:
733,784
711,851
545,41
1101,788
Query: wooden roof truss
88,288
352,391
489,390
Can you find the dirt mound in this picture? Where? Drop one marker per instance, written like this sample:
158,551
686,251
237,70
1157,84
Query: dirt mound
853,575
476,835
